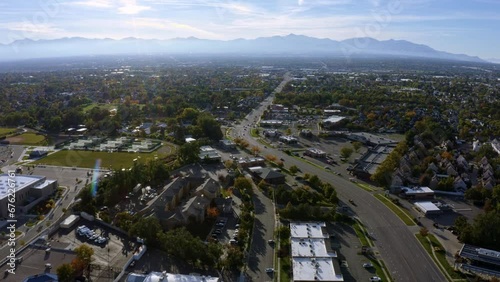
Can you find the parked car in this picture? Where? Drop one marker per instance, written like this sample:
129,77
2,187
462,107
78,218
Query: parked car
367,265
375,279
269,270
270,241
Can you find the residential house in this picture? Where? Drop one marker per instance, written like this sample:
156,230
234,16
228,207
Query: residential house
270,176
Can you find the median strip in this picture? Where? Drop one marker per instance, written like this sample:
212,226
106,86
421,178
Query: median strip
407,219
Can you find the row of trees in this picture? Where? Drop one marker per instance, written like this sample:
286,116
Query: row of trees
484,231
114,188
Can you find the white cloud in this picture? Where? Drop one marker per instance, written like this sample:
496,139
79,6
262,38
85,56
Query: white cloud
125,7
95,3
29,28
132,9
172,27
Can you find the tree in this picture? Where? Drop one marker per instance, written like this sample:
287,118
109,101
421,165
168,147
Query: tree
243,184
234,258
424,232
65,273
213,212
346,152
293,169
356,145
189,153
147,228
84,257
228,163
209,126
271,158
255,150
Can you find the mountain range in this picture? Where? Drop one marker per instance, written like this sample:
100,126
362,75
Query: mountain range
289,45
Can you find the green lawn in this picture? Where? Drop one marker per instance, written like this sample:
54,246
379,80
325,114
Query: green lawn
114,160
365,186
285,264
28,139
401,213
361,234
93,105
440,255
6,130
253,132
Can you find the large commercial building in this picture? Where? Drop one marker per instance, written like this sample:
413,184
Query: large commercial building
29,190
169,277
480,260
311,258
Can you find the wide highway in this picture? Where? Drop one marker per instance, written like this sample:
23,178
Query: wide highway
403,255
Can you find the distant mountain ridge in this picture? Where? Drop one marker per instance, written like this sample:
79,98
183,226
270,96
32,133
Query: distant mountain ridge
276,45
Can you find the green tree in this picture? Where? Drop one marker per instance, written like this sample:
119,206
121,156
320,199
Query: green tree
243,184
209,126
234,258
65,273
189,153
293,169
346,152
357,145
147,228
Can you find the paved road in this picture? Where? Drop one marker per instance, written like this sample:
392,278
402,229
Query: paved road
404,256
261,253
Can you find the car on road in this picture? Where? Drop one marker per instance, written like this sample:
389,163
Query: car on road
269,270
327,167
367,265
270,241
344,263
352,202
375,279
282,159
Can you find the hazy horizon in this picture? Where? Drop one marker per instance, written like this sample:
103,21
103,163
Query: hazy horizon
450,26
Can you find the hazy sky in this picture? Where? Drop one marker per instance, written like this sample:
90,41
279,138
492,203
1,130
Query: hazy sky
458,26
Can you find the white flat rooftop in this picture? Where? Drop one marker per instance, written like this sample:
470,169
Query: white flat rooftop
419,190
315,247
427,206
169,277
333,119
315,269
20,182
307,230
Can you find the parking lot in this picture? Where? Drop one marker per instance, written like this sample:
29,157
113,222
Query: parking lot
348,248
35,261
115,252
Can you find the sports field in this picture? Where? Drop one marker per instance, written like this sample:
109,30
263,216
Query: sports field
28,138
115,160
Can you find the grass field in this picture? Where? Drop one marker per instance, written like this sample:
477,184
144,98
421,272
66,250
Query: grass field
28,139
365,186
114,160
407,219
5,130
440,258
93,105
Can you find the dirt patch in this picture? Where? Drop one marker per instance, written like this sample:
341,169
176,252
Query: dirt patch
15,139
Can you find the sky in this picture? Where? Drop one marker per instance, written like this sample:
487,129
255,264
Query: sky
469,27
